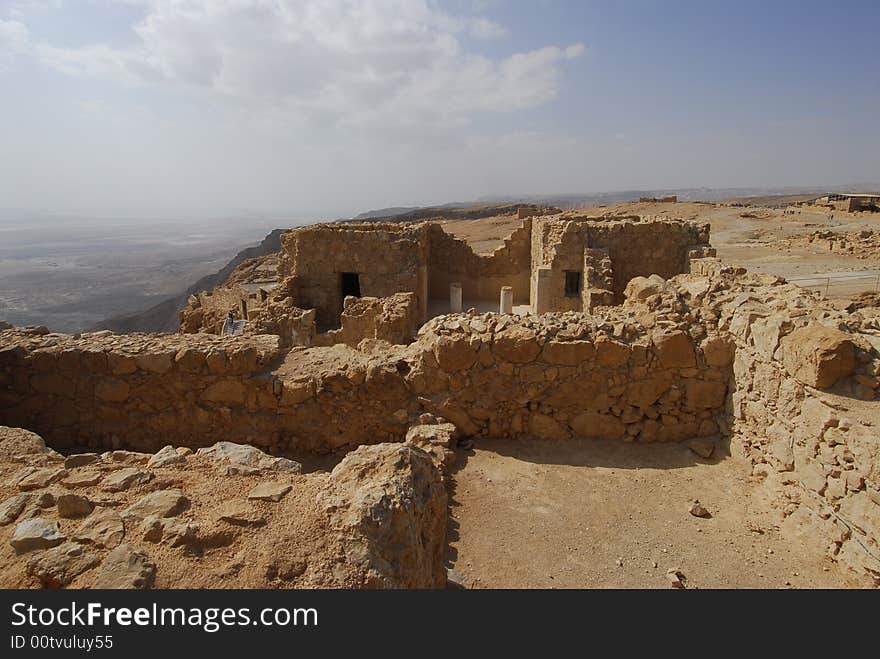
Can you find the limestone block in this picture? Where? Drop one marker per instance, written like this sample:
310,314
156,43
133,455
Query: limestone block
674,349
454,353
294,393
518,345
543,426
819,356
611,353
111,390
155,362
705,394
568,353
225,391
592,425
718,351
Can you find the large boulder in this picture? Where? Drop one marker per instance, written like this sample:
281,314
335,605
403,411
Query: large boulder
389,503
641,288
16,442
819,356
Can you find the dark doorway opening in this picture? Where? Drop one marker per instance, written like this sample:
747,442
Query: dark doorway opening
572,283
350,284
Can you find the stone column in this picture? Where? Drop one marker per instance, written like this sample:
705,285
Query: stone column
506,299
542,295
455,297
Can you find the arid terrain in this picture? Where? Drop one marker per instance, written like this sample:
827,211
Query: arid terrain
603,515
715,428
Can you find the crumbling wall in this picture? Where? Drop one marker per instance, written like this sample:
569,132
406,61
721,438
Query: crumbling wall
481,276
393,319
797,362
206,311
609,252
766,362
388,259
490,375
649,245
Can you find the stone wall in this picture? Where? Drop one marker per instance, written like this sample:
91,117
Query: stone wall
567,376
764,362
490,375
388,258
609,252
798,362
206,311
652,245
481,276
393,319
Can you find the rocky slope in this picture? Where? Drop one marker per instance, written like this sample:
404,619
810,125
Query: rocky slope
164,317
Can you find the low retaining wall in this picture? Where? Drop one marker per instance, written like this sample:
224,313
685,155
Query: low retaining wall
490,375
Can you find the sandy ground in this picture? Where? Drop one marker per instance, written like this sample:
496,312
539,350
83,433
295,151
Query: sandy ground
528,514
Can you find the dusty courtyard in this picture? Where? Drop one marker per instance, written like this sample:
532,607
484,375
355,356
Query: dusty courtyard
595,514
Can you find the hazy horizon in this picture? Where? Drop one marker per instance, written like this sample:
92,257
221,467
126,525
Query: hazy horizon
317,109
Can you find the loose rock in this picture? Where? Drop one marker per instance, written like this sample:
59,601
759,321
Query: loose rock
73,505
60,565
269,491
165,457
12,507
124,479
163,503
698,510
126,568
103,528
37,533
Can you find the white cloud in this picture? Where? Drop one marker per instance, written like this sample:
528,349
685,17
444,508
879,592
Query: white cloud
14,37
354,62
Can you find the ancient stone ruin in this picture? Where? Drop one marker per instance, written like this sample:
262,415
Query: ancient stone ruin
559,262
359,334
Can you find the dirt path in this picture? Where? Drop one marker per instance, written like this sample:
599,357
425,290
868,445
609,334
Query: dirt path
529,514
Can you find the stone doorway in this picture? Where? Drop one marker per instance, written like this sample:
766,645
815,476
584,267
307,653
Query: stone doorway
349,284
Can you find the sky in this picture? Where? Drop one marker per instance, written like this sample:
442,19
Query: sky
325,108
